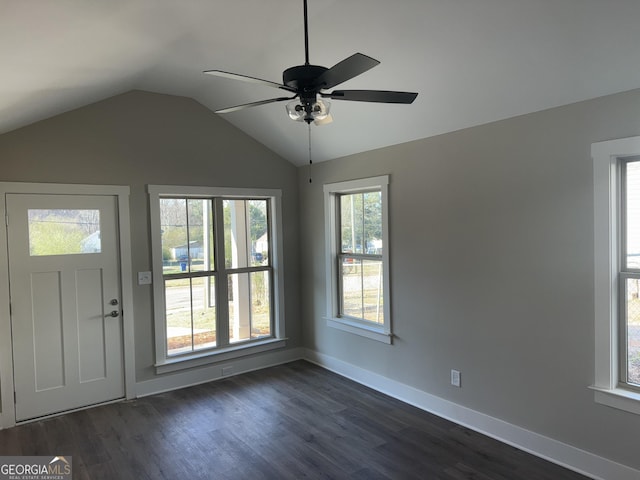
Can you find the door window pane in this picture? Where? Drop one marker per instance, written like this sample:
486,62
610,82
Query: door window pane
64,232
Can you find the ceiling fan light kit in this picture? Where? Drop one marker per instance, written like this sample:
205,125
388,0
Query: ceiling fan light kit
308,84
316,112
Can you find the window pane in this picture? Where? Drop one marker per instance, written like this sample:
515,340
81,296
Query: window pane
351,223
372,211
235,234
362,294
190,314
249,306
351,269
372,303
633,330
64,232
260,304
187,239
239,311
200,251
245,233
203,300
361,223
633,214
177,295
173,225
259,232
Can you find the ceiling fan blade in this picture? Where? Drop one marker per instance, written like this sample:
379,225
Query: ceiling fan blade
380,96
246,78
345,70
253,104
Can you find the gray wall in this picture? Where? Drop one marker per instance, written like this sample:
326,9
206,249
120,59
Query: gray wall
491,255
141,138
491,244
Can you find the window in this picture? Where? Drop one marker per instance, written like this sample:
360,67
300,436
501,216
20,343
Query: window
64,232
217,281
629,276
617,272
357,257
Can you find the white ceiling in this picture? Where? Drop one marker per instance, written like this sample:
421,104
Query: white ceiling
472,61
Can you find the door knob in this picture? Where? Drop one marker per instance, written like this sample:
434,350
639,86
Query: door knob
114,313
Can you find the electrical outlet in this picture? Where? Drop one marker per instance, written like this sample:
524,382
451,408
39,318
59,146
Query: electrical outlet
455,378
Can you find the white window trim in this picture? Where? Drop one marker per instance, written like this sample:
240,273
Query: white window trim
165,364
381,333
606,155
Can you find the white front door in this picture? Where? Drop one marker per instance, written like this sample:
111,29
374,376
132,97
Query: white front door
65,301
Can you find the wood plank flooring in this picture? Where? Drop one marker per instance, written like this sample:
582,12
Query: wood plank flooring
288,422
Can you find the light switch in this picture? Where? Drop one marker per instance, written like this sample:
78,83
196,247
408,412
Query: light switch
144,278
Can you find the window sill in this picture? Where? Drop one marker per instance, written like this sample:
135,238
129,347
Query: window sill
619,398
220,355
371,332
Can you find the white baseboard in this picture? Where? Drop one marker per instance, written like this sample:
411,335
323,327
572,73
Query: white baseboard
581,461
196,376
573,458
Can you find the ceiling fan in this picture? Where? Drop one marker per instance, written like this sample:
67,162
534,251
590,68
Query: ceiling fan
308,84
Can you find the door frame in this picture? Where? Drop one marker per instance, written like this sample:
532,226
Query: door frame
121,193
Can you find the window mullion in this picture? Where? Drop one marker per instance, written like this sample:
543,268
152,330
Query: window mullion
621,339
222,283
362,283
186,206
337,238
622,215
631,274
260,268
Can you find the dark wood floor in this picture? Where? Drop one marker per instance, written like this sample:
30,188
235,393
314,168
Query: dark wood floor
288,422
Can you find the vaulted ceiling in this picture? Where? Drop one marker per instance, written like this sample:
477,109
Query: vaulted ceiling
472,61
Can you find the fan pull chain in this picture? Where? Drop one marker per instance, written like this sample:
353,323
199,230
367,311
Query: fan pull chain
310,161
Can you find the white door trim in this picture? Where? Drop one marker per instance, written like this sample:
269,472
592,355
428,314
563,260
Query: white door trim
7,406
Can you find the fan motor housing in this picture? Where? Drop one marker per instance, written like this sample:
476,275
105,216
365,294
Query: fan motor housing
303,77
